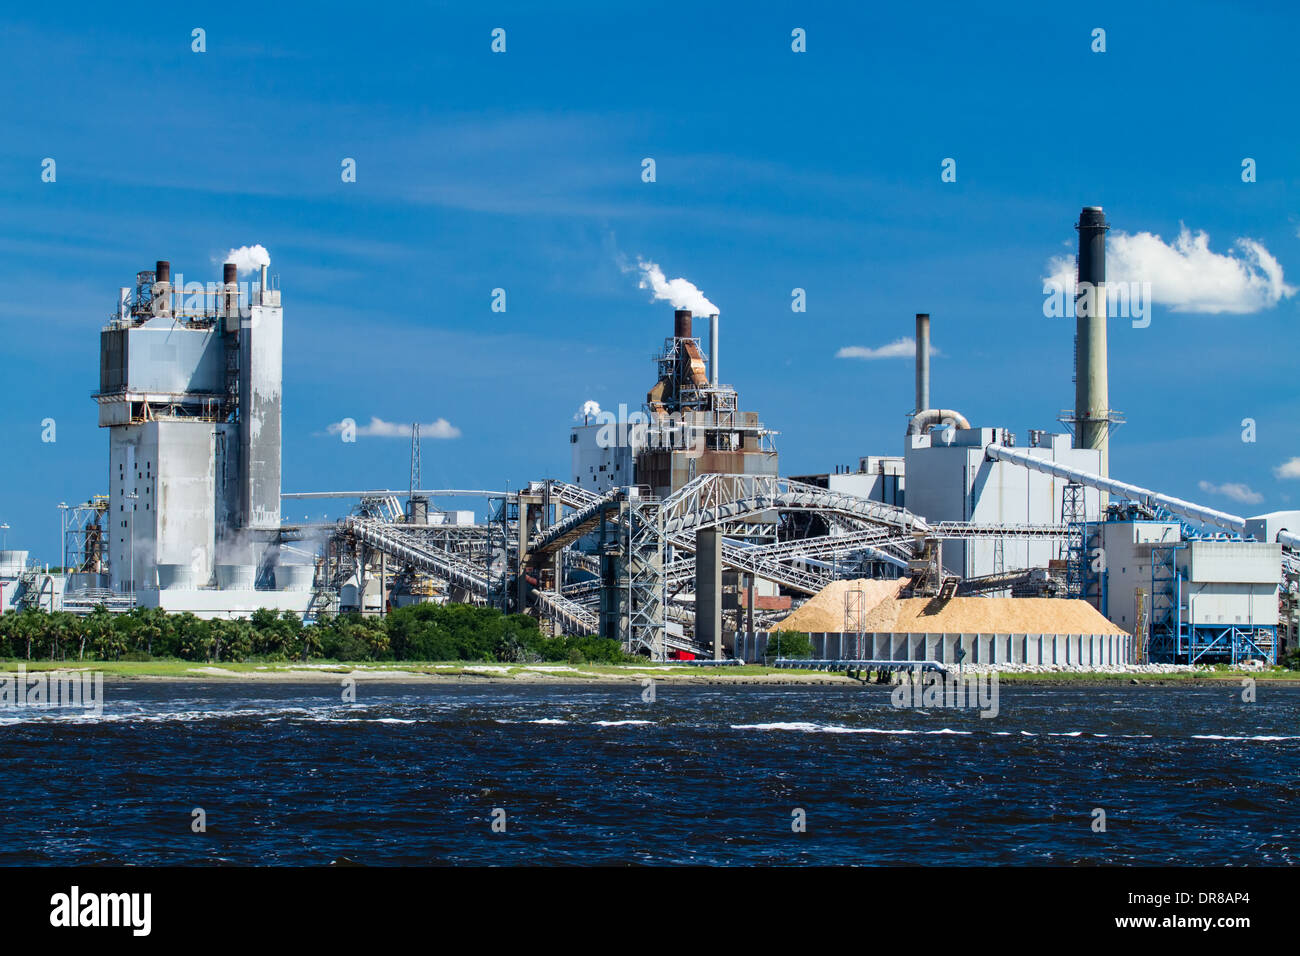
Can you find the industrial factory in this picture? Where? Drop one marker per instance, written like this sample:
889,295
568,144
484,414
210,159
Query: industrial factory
676,533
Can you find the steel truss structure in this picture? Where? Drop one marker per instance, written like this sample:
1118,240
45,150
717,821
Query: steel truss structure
622,564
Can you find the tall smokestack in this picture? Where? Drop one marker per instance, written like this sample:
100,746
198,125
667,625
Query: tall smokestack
682,324
1091,385
713,350
922,361
162,288
230,285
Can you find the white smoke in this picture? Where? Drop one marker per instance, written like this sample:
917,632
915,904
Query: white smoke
680,292
249,258
590,409
1185,275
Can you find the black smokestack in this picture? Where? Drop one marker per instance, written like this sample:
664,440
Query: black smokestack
163,273
229,273
682,324
922,361
1091,388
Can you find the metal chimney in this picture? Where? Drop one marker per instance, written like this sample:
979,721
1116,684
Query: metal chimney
713,350
1091,385
230,286
162,288
682,324
922,361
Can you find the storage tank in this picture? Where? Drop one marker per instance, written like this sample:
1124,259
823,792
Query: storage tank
178,577
12,563
236,577
294,577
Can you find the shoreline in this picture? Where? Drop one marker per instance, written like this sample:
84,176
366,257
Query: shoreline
595,675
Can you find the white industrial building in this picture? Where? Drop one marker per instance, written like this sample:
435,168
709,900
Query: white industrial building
192,401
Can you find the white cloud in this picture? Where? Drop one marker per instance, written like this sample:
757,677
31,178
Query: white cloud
1288,469
378,428
589,408
680,292
1185,275
248,258
901,348
1234,490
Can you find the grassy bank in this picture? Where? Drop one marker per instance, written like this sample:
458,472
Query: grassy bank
555,673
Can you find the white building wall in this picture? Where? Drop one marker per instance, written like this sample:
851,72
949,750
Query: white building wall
1127,552
170,467
598,469
878,478
261,342
954,482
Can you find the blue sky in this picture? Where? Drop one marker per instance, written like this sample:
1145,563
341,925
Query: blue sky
522,170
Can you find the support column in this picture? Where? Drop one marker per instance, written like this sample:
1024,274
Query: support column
708,589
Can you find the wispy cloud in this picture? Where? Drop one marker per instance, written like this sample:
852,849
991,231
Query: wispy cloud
1186,275
1288,469
901,348
1234,490
378,428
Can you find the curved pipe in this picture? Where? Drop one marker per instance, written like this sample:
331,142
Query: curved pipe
927,418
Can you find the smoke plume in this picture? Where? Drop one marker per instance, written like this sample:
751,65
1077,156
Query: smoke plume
249,258
680,292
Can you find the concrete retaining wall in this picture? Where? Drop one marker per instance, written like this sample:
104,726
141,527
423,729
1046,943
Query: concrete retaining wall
1087,650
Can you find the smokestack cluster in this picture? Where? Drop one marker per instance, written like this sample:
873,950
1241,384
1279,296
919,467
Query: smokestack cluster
922,361
1092,388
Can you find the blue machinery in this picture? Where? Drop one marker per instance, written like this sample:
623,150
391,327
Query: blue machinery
1174,639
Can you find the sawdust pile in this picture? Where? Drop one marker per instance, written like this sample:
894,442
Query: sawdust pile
988,616
824,612
885,612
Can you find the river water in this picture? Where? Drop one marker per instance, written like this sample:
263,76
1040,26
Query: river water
705,774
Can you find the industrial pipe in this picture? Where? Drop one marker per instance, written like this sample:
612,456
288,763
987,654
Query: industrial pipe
1120,488
927,418
922,361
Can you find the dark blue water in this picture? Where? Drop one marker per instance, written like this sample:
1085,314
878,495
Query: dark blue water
410,774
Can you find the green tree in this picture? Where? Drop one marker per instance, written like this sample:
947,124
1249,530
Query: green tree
789,644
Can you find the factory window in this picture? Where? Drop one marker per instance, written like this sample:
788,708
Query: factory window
573,439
